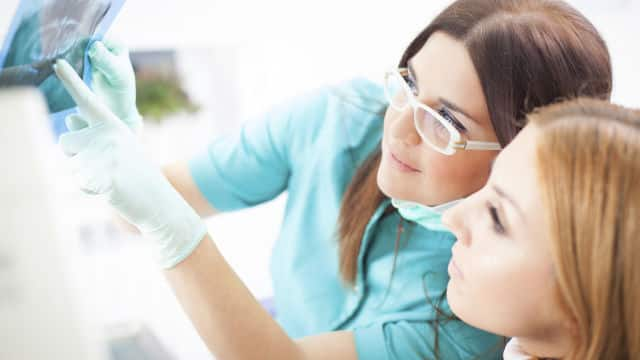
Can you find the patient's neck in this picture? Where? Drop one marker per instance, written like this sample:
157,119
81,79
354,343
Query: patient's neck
554,345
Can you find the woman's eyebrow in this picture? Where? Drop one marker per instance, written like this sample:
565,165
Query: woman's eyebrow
455,108
412,73
443,101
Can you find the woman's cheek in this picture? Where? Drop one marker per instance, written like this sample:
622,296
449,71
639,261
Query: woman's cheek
440,168
463,173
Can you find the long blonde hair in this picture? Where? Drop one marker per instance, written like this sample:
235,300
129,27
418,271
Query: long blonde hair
589,170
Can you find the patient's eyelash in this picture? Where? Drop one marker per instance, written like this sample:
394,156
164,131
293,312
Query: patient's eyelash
495,217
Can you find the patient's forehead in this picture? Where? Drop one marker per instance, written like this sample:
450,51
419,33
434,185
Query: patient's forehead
516,173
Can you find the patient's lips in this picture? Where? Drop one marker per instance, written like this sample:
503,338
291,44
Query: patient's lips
454,270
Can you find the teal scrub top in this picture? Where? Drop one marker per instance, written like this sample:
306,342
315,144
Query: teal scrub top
310,148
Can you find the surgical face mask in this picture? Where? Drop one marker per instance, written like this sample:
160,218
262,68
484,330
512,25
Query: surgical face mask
427,216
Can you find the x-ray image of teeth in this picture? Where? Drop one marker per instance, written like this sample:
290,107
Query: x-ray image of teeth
48,30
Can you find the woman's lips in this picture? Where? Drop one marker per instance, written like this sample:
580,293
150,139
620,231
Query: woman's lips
400,165
454,270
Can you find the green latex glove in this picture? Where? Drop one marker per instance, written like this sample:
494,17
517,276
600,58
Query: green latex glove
114,82
107,160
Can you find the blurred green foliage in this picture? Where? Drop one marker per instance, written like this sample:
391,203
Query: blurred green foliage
158,98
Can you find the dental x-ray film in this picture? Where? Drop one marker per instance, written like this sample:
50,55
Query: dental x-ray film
43,31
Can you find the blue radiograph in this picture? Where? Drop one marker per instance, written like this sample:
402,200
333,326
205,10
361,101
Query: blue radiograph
43,31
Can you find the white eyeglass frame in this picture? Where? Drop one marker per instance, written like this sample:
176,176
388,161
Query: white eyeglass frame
455,139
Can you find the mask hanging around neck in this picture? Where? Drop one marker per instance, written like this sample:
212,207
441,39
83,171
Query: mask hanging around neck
427,216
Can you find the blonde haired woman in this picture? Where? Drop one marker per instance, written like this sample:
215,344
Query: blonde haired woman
548,247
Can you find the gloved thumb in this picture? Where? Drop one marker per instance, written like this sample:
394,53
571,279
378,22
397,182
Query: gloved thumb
116,48
104,61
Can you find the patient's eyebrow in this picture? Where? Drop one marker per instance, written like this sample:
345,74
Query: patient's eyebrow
504,195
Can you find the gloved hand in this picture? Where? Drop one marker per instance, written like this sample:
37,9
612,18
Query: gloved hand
107,160
114,82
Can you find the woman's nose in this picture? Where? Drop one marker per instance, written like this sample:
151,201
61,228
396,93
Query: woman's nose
403,129
454,220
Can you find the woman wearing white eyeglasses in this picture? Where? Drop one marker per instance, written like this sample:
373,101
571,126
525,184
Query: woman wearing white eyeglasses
353,277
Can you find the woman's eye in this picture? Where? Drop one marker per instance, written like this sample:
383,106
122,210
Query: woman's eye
412,85
495,217
447,115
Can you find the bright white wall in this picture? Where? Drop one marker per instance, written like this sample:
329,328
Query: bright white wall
287,45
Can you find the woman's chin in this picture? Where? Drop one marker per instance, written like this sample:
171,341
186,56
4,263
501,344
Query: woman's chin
392,189
387,186
456,302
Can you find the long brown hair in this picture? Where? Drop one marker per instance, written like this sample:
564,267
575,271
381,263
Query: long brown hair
527,53
589,174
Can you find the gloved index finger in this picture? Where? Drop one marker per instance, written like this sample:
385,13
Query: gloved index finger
75,86
87,101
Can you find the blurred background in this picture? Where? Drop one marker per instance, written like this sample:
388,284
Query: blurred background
204,67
